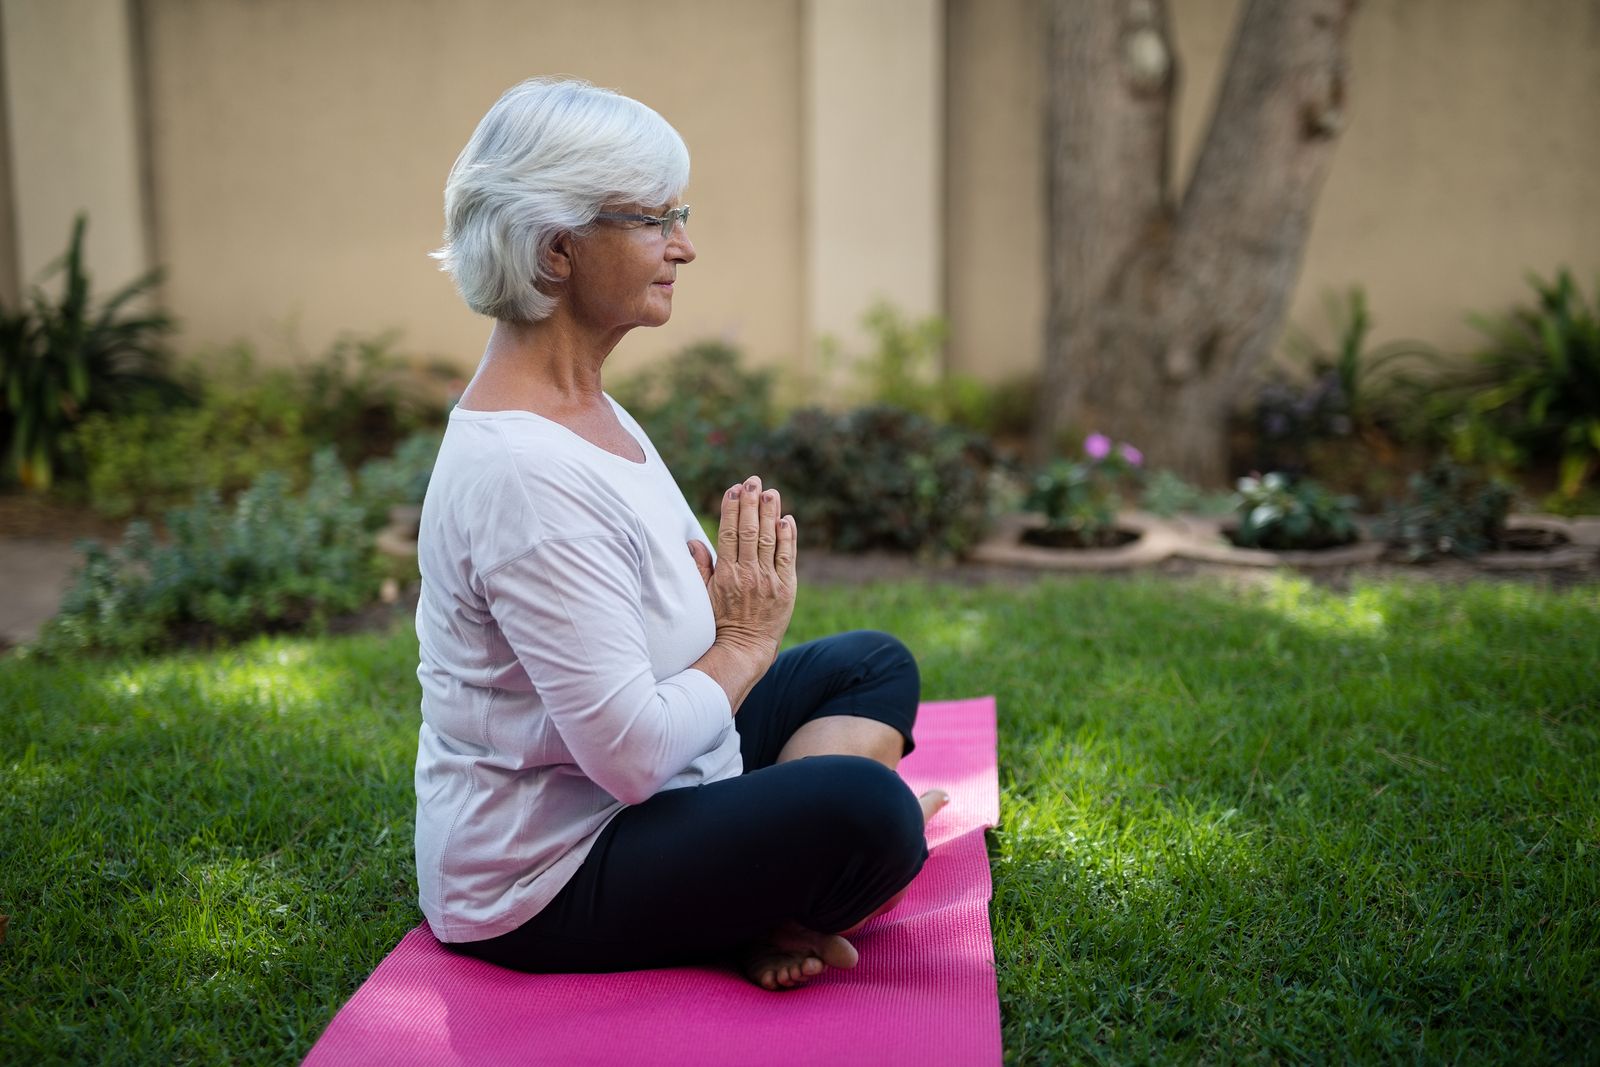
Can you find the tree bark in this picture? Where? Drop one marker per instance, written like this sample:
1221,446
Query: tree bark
1161,309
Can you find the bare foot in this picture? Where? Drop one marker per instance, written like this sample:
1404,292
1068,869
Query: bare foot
794,955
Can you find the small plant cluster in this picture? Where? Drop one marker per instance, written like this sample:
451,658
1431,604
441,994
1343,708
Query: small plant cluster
65,358
400,479
1533,394
879,476
1281,514
1450,511
270,562
1351,389
902,370
1527,402
357,399
89,398
882,477
1080,498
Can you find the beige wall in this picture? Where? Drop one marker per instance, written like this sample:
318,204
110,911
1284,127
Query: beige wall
995,281
300,150
1470,158
72,137
843,149
874,162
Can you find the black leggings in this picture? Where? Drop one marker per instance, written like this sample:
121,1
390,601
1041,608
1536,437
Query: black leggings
693,874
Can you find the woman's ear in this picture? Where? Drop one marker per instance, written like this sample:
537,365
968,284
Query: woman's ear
558,258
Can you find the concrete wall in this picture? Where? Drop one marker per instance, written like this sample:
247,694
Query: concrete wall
300,151
72,134
1470,158
284,160
874,162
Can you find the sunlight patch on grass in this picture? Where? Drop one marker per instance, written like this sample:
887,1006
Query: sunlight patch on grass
959,633
1359,614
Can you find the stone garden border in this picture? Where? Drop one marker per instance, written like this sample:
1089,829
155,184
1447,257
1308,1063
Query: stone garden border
1158,540
1202,540
1192,538
1583,543
1208,543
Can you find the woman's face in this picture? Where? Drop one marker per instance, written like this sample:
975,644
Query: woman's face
623,272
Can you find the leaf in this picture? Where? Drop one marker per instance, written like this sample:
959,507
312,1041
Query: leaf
1263,515
1574,472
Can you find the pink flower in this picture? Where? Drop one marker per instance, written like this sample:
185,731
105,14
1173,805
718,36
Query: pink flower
1097,446
1134,457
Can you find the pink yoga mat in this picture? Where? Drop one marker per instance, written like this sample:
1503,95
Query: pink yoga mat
923,994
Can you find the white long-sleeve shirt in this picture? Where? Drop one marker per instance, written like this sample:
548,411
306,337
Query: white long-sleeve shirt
560,612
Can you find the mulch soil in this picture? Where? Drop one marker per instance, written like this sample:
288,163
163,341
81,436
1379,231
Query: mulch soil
25,516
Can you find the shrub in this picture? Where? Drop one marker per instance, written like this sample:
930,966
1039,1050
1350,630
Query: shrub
247,421
902,370
1079,498
1534,393
244,425
706,415
1349,391
1275,513
64,358
271,562
400,479
882,477
1450,511
361,397
1166,494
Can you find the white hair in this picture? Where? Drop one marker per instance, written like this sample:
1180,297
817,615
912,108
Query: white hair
549,155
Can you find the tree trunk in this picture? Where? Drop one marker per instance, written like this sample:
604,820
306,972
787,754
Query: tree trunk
1160,310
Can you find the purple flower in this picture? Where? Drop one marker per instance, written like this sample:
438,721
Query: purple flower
1097,446
1134,457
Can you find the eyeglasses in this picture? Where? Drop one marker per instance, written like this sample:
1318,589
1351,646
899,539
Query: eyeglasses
667,222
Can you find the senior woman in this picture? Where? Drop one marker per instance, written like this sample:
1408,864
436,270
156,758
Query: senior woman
616,767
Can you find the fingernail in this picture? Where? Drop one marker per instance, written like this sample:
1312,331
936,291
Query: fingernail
751,484
733,493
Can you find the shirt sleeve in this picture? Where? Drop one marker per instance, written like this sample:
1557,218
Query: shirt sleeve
571,611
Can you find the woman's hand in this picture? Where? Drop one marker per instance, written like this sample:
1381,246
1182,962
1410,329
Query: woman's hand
752,586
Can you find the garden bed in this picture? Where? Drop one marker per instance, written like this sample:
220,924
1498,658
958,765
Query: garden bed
1541,543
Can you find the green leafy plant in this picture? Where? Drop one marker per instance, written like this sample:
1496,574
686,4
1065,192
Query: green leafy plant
244,424
361,397
706,414
272,562
903,370
65,357
1351,391
1534,392
247,420
400,479
1279,514
1449,511
1166,494
882,477
1079,498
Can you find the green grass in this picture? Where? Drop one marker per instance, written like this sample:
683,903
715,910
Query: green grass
1281,824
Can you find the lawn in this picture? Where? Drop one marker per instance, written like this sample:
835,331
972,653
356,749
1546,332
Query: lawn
1238,824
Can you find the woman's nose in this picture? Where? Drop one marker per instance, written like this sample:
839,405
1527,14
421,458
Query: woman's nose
680,249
